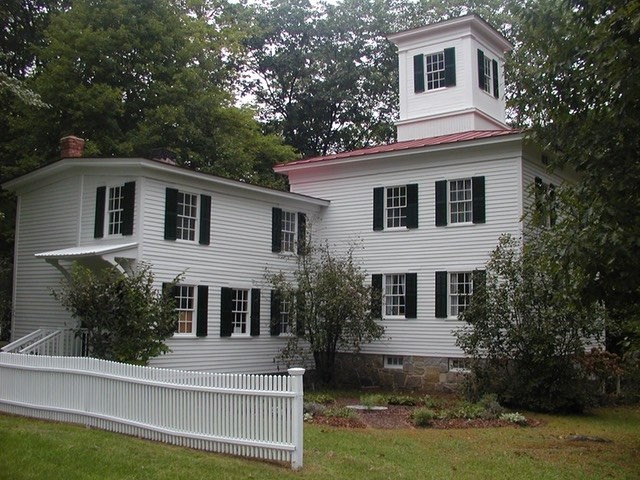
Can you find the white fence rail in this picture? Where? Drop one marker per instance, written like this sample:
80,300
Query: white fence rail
249,415
51,341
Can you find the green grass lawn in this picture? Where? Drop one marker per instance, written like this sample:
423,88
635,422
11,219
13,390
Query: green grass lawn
32,449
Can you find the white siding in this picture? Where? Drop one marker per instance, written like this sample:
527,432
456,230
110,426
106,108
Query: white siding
237,257
428,248
47,220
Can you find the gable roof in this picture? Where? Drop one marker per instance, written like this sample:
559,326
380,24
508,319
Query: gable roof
406,145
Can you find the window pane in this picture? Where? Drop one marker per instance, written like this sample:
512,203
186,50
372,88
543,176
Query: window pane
396,206
114,210
435,70
460,201
240,311
460,290
488,82
185,308
288,231
394,295
187,216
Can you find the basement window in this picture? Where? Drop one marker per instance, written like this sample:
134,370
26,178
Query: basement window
393,362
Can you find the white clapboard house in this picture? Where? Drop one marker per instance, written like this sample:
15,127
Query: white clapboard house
426,210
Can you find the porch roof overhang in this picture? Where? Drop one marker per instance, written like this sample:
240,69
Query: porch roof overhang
121,255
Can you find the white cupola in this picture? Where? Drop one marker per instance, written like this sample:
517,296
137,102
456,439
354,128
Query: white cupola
451,78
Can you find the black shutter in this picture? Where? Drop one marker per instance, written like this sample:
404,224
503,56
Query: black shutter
494,65
441,203
255,312
202,316
205,219
98,226
441,294
376,295
226,316
449,67
411,295
418,73
553,216
477,188
128,206
378,208
275,313
302,233
170,290
412,205
171,214
481,69
276,229
301,311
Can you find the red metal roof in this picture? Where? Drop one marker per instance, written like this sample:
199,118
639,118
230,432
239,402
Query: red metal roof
405,145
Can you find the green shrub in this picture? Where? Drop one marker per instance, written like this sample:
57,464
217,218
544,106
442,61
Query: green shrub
422,417
373,400
339,412
406,400
514,417
467,410
431,402
492,408
322,398
313,408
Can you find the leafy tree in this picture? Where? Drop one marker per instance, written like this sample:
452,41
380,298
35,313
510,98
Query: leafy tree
126,317
332,308
576,85
527,334
325,76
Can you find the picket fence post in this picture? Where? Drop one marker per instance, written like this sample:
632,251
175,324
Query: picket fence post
298,416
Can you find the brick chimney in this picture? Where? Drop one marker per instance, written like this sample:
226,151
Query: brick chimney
71,147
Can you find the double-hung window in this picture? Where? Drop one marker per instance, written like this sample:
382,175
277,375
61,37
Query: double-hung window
488,80
185,306
114,210
434,70
192,308
454,291
394,295
288,230
187,216
239,312
460,291
460,201
395,207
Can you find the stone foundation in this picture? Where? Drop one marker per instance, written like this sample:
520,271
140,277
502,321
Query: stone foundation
416,373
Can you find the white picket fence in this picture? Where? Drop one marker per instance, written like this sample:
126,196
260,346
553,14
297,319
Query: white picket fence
249,415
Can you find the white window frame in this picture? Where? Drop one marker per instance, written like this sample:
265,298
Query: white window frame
186,309
434,68
454,217
459,365
488,75
394,362
454,305
393,300
114,210
241,312
285,318
289,232
187,221
395,215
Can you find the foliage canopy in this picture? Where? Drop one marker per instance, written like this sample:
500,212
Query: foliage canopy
332,308
127,319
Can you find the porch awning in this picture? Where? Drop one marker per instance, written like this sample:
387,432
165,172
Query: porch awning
121,255
73,253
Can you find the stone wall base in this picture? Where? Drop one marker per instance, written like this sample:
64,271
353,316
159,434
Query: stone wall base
415,373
